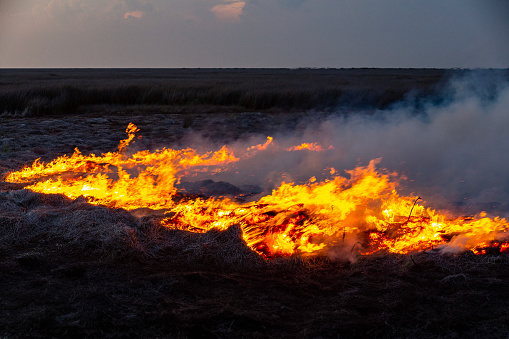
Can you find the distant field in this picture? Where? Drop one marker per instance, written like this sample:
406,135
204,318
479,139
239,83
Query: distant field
40,92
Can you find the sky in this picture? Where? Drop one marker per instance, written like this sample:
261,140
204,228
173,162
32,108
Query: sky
254,33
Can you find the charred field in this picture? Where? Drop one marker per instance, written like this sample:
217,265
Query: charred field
73,269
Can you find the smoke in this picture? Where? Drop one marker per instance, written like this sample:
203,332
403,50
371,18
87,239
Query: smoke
344,249
451,153
452,148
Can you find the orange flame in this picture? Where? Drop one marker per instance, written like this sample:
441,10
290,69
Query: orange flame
143,179
310,146
362,211
261,147
131,132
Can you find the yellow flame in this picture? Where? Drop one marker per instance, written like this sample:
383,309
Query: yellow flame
261,147
307,219
310,146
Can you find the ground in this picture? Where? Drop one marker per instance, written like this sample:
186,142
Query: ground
70,269
385,296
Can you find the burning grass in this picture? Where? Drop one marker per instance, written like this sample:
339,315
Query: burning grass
361,211
74,269
185,265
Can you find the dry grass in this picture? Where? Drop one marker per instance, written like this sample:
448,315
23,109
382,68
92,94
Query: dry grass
56,92
70,269
75,270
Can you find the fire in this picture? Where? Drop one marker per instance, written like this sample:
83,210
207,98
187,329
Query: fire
310,146
262,147
361,211
143,179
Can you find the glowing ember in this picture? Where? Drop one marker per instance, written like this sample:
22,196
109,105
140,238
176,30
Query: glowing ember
361,212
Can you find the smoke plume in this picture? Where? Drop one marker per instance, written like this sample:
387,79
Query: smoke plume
452,148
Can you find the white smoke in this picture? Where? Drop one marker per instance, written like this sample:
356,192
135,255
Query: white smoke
453,150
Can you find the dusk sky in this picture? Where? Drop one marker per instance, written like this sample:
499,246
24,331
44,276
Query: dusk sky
254,33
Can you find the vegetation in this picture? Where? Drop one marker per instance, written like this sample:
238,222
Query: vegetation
71,269
55,91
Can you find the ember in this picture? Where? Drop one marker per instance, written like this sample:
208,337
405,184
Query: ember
361,211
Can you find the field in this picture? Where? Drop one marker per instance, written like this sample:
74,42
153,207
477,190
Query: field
42,92
72,269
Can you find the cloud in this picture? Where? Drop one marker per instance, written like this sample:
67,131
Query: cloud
66,10
273,33
136,5
229,11
291,3
134,14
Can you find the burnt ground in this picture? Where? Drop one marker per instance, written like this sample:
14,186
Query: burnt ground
70,269
385,297
191,291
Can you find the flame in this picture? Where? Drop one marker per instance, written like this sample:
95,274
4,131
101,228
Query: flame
261,147
131,133
144,179
362,210
310,146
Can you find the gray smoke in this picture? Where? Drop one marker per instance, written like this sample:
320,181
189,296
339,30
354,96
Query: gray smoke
453,149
